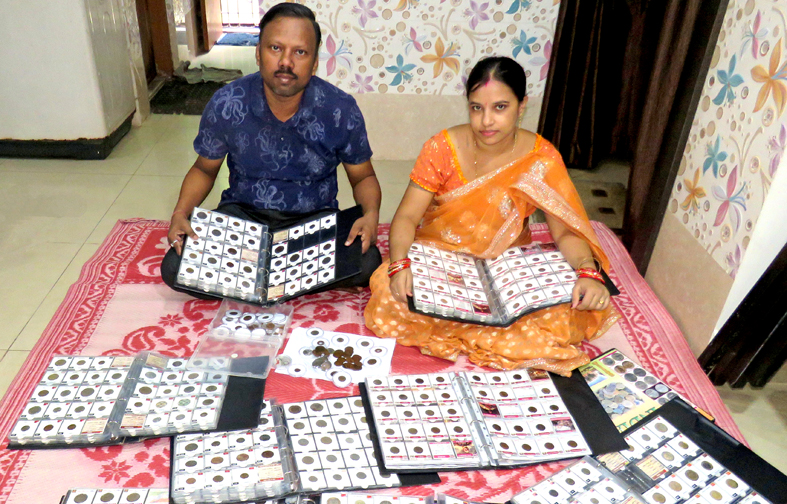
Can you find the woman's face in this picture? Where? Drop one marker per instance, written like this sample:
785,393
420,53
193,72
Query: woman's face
494,110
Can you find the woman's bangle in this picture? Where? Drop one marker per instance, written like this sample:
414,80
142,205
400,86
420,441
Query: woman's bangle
590,273
587,259
397,266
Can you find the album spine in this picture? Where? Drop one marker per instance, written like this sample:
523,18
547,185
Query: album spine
127,390
495,304
291,482
469,405
264,267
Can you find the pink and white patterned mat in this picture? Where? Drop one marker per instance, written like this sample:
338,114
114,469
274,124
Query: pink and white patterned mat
119,306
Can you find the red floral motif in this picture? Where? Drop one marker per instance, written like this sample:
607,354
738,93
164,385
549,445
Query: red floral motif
170,320
115,471
103,452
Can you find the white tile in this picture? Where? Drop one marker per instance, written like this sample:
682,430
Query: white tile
9,367
35,326
761,416
150,197
40,208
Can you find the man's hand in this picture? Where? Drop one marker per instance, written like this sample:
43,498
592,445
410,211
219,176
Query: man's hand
179,228
366,228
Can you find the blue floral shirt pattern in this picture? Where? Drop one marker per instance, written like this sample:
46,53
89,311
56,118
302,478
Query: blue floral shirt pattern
288,166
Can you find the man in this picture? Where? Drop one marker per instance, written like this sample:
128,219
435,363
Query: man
283,133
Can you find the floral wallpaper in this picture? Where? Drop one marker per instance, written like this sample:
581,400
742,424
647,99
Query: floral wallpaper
428,46
738,134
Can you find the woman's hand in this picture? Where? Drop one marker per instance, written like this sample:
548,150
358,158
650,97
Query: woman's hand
589,294
402,285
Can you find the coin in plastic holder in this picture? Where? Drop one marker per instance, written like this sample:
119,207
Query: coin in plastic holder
378,351
57,410
585,471
72,427
296,370
47,429
313,480
205,416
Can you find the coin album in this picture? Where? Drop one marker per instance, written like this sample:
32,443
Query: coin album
116,496
674,456
88,401
245,260
493,292
234,466
472,420
626,390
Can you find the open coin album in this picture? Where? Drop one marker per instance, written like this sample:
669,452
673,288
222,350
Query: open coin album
234,466
246,260
627,391
676,456
333,446
242,340
494,292
116,496
471,420
88,401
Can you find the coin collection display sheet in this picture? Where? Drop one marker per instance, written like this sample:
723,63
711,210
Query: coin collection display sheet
492,291
234,466
471,420
248,261
626,390
117,496
333,445
78,400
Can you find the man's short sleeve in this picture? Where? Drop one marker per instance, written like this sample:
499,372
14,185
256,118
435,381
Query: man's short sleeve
211,142
356,150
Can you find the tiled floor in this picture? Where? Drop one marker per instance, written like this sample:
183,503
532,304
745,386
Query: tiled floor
55,213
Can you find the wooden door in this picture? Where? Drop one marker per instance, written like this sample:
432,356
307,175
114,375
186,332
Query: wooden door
146,40
211,23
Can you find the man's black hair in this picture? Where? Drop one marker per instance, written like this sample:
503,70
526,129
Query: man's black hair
292,10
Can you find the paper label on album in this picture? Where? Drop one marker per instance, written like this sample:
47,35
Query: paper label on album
271,473
133,421
121,362
156,361
95,426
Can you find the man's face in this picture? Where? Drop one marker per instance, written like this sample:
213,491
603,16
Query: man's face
287,55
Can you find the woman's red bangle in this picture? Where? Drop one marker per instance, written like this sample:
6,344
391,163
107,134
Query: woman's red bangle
590,273
397,266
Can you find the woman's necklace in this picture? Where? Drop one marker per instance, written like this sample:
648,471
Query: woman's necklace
475,152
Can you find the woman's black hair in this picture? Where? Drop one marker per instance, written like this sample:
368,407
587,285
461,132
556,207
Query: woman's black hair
501,69
292,10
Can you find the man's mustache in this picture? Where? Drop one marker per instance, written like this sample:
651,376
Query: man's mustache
288,73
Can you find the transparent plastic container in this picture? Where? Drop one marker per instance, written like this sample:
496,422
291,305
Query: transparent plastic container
243,339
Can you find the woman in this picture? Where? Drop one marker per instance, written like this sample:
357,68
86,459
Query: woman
472,190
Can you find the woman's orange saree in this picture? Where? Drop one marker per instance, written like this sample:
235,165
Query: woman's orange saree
483,218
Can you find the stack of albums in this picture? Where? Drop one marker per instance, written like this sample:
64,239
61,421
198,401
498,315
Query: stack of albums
87,401
245,260
472,420
494,292
674,456
235,466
